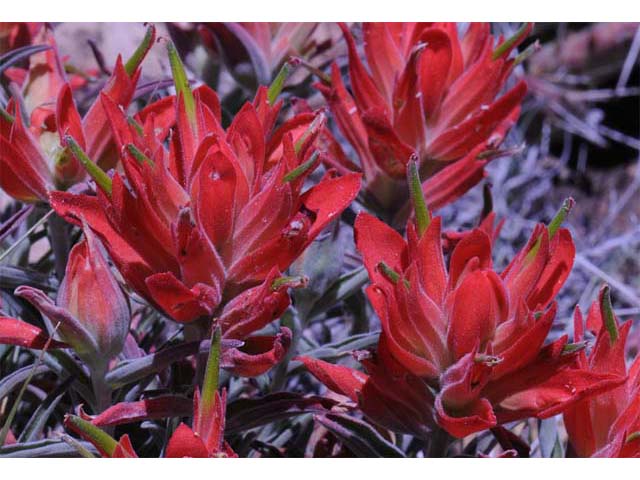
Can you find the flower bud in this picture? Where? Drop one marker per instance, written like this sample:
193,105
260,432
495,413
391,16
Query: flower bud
91,309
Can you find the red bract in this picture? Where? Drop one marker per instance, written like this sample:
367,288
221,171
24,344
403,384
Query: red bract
34,155
474,336
206,438
204,227
431,94
17,34
607,425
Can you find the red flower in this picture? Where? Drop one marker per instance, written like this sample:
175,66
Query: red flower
34,156
473,336
607,425
204,227
431,94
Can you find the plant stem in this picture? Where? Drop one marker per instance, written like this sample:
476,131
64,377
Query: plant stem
440,441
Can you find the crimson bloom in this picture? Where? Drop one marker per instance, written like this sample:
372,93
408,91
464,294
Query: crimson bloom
474,337
34,155
206,226
430,94
607,425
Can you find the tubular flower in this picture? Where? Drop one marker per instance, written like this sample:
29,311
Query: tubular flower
429,94
474,336
204,226
607,425
34,155
94,325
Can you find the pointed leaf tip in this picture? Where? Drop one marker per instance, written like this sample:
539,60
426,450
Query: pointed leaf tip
278,82
423,218
607,312
138,56
212,372
561,216
98,437
96,173
511,42
181,82
302,168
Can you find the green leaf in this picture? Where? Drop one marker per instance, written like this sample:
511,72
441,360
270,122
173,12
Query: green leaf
361,438
44,449
345,286
36,423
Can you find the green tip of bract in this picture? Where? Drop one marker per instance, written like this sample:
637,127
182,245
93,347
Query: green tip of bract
301,169
632,437
181,82
561,216
391,274
423,218
296,281
94,171
95,435
609,317
136,59
140,157
318,122
505,46
6,115
212,372
571,348
278,83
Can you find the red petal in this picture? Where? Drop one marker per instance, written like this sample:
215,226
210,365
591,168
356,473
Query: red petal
433,69
67,116
476,244
185,443
179,302
377,243
254,308
258,354
478,416
479,306
329,198
23,334
391,153
366,94
148,409
460,139
343,380
124,449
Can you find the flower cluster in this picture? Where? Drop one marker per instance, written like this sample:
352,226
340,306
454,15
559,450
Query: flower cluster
189,223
